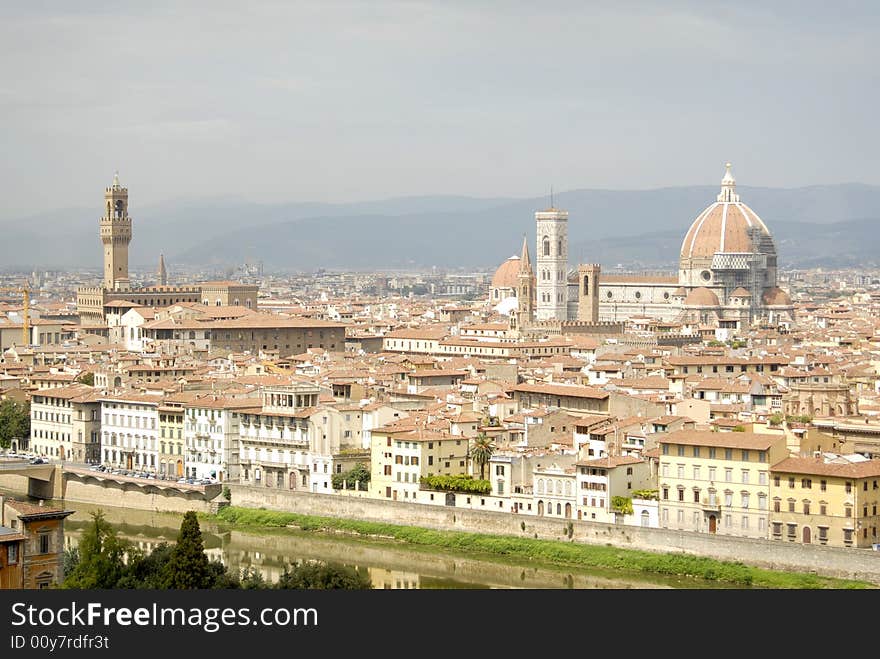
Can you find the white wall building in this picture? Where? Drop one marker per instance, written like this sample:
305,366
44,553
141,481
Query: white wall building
130,432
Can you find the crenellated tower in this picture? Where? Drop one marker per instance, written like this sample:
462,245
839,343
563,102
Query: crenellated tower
115,236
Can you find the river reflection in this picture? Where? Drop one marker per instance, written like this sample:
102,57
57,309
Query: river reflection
390,565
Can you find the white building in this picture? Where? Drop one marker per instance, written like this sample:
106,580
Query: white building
211,435
130,431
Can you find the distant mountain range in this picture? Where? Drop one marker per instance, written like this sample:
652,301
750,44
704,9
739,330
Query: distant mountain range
823,225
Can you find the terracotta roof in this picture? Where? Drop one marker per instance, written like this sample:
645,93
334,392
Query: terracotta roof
722,227
25,509
506,274
818,467
610,462
561,390
740,440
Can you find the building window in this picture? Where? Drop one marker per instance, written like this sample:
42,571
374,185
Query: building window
823,485
728,454
728,475
745,523
791,482
681,494
848,487
696,496
745,500
823,535
806,484
711,473
745,475
44,543
665,493
791,503
777,530
806,507
823,509
776,481
728,499
712,453
12,554
792,531
665,449
696,451
847,537
847,511
681,450
745,456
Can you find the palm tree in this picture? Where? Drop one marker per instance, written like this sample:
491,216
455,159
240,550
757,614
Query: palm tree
481,452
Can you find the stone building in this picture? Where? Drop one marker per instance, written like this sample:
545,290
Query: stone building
115,229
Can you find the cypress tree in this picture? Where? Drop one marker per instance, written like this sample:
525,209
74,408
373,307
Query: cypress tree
188,567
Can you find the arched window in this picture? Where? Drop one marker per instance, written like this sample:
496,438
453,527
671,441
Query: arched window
559,248
540,486
546,246
558,508
586,284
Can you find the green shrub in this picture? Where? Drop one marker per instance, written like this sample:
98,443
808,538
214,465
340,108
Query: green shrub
458,483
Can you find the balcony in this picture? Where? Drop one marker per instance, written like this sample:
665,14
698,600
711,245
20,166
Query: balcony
711,506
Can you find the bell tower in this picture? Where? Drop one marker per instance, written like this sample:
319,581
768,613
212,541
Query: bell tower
524,314
115,236
588,292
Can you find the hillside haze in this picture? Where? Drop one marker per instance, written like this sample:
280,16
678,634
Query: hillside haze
823,225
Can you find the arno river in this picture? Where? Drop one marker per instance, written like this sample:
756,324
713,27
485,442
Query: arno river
389,564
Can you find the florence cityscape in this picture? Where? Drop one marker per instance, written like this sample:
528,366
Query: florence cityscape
378,296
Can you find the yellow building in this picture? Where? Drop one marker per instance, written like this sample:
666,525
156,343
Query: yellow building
828,500
714,482
171,441
400,457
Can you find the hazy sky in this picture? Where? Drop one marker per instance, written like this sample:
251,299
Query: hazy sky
345,101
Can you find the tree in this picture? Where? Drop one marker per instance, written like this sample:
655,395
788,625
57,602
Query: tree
188,566
322,576
481,452
86,377
101,561
358,473
15,421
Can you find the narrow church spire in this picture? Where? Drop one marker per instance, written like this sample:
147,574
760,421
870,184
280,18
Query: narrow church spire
525,263
162,273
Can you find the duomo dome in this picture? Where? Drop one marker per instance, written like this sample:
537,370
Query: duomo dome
725,242
505,275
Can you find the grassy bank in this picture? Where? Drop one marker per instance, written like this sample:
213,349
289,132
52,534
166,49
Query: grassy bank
550,551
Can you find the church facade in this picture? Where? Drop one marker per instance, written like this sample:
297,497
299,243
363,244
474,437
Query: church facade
727,275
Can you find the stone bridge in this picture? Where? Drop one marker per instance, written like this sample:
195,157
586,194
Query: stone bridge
44,481
56,481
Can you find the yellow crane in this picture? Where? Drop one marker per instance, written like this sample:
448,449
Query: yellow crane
26,310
